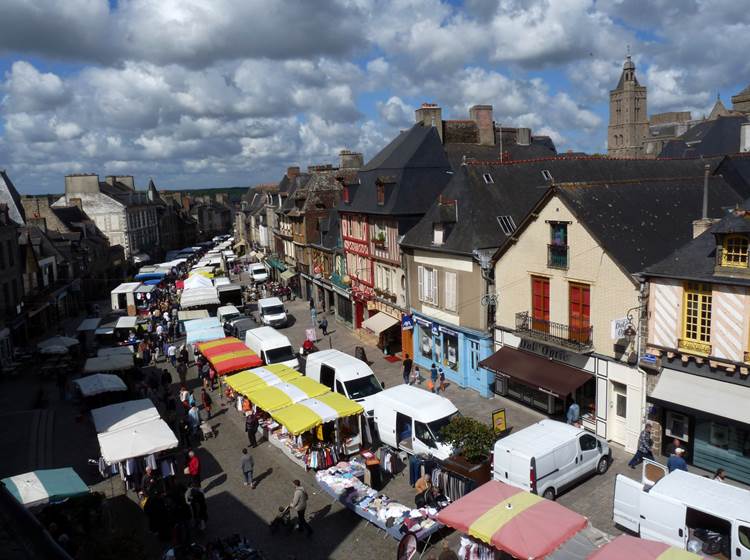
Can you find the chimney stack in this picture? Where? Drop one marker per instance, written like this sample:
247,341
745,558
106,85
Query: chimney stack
292,172
350,160
706,173
702,224
523,137
482,115
430,114
82,183
745,137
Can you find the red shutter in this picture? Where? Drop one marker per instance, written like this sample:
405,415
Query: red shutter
540,303
580,312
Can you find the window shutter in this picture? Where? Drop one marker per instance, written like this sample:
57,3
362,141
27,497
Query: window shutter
450,291
434,287
420,281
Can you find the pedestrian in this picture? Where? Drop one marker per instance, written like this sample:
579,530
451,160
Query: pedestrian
166,378
184,397
677,462
644,447
212,378
184,432
574,411
206,401
194,419
407,368
184,356
172,354
720,475
148,483
433,377
299,504
251,427
672,446
312,303
247,464
182,372
194,468
196,499
416,376
324,326
205,374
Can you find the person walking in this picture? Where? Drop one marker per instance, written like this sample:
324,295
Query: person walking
324,326
182,372
194,468
206,401
720,475
677,462
247,464
407,363
416,376
194,419
299,504
172,354
441,381
196,499
433,377
644,447
574,411
251,427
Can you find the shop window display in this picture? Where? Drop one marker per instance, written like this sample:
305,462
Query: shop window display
425,343
450,354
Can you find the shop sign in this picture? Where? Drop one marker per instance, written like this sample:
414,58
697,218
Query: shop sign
407,323
499,420
422,322
617,328
446,330
435,329
544,350
342,293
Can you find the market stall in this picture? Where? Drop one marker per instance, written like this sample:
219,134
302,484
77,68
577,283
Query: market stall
112,362
228,355
115,350
123,415
286,394
626,547
57,341
45,486
99,383
265,376
87,332
343,483
123,297
509,519
202,330
135,441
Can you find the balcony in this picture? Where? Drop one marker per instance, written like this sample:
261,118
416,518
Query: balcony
579,340
694,347
557,256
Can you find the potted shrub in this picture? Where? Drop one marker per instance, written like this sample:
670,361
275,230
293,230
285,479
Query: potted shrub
379,239
473,442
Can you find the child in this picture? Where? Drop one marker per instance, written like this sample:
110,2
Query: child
441,381
415,376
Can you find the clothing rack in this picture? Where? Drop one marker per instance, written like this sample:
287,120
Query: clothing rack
448,482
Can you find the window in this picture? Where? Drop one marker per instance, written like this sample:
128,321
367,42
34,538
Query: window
579,312
676,426
380,187
474,353
438,232
506,224
450,353
423,434
547,175
488,178
558,233
425,342
696,320
734,253
744,536
450,296
428,284
540,303
588,442
345,194
557,250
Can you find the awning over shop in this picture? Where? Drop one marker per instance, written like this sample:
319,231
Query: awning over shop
100,383
123,415
136,441
535,371
509,519
115,362
260,377
307,414
45,486
380,322
279,396
287,275
726,400
89,324
278,265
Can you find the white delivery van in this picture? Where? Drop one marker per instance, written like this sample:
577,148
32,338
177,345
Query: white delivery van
670,507
548,457
344,374
272,346
272,312
410,419
227,313
258,272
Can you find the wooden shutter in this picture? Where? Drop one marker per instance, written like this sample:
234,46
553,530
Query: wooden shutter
540,303
434,286
450,291
579,312
420,282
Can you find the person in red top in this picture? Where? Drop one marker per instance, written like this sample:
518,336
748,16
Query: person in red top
194,468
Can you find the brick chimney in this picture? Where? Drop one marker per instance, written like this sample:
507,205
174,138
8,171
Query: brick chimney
523,137
292,172
126,180
482,115
186,203
82,183
430,114
350,160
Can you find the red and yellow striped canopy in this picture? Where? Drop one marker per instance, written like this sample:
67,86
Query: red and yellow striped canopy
626,547
510,519
228,355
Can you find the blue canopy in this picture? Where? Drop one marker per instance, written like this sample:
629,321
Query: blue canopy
153,282
205,335
45,486
143,276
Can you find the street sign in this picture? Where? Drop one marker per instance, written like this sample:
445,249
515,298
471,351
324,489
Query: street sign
499,421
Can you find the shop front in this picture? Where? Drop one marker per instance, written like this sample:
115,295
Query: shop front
344,312
709,417
458,351
384,321
306,286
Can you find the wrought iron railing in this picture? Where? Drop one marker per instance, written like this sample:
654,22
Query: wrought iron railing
578,339
557,256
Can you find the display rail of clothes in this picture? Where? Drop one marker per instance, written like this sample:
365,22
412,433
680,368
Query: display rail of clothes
451,484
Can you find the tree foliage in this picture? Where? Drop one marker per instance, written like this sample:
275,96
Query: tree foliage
470,438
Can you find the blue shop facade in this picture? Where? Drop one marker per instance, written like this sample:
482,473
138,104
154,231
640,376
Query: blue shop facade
457,350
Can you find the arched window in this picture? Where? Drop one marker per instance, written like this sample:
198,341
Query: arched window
734,253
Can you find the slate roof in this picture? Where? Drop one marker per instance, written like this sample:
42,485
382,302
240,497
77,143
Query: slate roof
539,148
416,168
735,169
124,194
518,186
294,184
708,138
10,196
331,228
640,222
70,215
695,260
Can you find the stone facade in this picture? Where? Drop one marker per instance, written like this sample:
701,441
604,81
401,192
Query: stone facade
628,116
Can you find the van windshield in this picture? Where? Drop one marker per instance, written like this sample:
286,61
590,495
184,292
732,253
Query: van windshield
280,354
273,310
362,387
230,317
436,426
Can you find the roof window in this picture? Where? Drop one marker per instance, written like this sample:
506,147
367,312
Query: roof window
488,178
507,224
546,174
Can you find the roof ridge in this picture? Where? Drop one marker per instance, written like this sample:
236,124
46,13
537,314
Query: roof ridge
624,181
474,161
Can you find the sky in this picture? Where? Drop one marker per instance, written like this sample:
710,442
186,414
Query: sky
197,93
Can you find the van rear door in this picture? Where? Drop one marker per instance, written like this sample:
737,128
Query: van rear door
740,540
627,505
652,472
663,519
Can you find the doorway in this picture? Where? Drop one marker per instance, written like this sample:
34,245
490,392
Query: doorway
619,405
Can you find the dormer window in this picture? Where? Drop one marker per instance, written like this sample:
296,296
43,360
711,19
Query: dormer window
345,194
488,178
734,253
438,231
546,174
381,193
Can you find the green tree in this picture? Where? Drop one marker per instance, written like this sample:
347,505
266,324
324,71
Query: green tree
470,438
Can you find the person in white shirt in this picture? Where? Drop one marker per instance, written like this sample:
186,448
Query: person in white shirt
172,355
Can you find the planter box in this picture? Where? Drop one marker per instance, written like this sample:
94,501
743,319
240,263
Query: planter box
479,473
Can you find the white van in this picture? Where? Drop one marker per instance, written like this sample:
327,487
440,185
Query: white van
344,374
670,507
227,313
272,312
410,419
272,346
548,457
258,272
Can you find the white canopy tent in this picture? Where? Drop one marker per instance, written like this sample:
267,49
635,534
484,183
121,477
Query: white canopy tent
123,415
198,297
126,322
197,281
100,383
111,351
136,441
113,362
90,324
64,341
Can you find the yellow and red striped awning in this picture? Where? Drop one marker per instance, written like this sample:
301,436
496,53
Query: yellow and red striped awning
510,519
626,547
228,355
